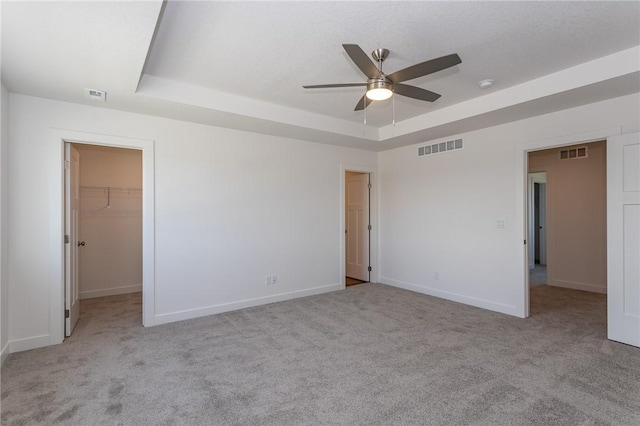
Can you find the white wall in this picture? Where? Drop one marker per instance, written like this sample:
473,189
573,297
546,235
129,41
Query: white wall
230,208
4,208
438,213
110,221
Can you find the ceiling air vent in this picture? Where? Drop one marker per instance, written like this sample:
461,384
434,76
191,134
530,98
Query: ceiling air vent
570,154
440,147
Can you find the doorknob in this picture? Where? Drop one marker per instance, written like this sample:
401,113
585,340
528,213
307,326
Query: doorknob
80,243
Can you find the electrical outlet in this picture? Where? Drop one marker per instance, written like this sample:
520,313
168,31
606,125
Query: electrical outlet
274,279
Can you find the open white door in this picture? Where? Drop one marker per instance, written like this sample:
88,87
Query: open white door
357,226
72,206
623,238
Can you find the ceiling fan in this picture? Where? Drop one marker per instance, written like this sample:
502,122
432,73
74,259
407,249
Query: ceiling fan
381,86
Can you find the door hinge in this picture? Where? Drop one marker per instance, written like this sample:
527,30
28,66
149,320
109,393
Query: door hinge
369,227
66,313
369,185
525,242
66,164
66,239
369,269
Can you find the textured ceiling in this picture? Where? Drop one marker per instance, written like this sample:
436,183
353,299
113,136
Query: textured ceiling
268,50
242,64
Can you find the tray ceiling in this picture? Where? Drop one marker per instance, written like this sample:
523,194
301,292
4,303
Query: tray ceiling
242,64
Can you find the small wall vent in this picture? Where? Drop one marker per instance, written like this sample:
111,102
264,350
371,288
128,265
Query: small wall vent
95,95
572,153
440,147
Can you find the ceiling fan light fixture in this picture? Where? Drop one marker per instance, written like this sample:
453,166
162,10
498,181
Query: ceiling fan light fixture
379,90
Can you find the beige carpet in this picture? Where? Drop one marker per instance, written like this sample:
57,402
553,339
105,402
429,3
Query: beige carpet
368,355
538,275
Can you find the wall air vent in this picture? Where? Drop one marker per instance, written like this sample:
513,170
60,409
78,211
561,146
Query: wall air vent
570,154
95,95
440,147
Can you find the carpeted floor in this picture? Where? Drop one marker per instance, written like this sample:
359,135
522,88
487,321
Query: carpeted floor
537,275
368,355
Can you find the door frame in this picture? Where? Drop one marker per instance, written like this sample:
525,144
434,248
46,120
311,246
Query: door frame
57,216
373,215
522,202
531,211
368,223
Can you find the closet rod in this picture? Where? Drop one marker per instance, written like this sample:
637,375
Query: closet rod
110,188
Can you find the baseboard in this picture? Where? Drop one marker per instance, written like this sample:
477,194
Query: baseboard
472,301
248,303
577,286
29,343
5,354
110,291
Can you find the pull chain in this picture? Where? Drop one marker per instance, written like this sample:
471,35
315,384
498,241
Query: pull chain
365,110
393,107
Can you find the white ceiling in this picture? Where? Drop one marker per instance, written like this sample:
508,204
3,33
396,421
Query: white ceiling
242,64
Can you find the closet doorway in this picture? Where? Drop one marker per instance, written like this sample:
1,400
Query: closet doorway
103,227
357,228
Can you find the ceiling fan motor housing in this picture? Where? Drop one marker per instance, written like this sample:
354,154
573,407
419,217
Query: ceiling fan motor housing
379,83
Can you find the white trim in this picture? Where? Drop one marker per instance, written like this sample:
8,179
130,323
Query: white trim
29,343
242,304
574,139
522,170
56,222
5,353
578,286
373,211
455,297
112,291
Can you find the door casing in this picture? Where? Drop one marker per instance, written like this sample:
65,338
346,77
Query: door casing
373,214
522,201
358,270
56,222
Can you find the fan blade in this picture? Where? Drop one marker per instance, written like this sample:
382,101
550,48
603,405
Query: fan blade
414,92
361,59
322,86
363,103
424,68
